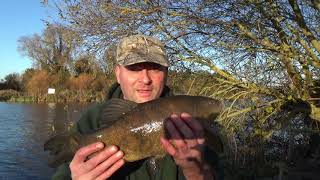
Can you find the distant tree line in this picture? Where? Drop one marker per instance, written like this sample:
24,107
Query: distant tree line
11,81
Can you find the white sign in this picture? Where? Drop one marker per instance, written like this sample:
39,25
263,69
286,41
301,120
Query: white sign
51,90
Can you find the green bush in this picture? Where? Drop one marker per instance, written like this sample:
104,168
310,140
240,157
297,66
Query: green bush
5,95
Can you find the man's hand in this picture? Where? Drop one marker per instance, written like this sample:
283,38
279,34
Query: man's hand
186,145
100,166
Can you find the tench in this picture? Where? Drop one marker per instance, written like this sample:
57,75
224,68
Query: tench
136,128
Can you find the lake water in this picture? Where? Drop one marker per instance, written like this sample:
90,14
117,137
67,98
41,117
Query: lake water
23,130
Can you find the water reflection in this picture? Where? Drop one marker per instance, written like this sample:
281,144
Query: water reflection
24,128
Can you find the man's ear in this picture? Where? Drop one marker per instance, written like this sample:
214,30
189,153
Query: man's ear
117,73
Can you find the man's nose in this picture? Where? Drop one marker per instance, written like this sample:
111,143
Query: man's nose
145,76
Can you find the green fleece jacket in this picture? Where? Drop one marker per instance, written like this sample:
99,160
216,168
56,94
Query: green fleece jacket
164,169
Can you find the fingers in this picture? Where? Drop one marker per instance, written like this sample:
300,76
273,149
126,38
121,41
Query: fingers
100,157
182,126
174,132
102,164
117,165
168,146
185,130
195,125
186,143
82,154
111,164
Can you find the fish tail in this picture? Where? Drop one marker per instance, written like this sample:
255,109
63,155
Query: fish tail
62,148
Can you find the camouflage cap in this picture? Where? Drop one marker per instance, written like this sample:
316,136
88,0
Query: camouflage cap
140,48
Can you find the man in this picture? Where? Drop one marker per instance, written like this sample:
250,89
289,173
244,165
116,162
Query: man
141,73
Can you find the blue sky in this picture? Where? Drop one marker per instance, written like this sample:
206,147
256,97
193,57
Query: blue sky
18,18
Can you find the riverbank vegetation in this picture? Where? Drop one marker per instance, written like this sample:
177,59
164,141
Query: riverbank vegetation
261,57
33,85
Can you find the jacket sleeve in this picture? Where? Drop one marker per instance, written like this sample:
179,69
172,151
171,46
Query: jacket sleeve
62,173
90,120
214,161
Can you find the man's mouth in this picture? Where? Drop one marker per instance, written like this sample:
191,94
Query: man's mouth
144,92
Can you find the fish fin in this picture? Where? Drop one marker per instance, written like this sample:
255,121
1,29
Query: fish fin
61,147
115,108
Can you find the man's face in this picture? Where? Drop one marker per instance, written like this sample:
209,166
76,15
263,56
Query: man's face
141,82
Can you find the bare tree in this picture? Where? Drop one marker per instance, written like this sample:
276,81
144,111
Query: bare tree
258,48
53,50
